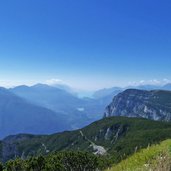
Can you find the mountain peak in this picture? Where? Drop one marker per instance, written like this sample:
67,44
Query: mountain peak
153,104
40,85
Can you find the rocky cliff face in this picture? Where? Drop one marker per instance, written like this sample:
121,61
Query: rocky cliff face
155,105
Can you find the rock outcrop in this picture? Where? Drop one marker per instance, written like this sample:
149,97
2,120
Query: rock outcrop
155,105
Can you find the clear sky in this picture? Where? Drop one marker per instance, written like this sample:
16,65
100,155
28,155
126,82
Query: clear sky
88,44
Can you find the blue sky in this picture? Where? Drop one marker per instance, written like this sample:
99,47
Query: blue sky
88,44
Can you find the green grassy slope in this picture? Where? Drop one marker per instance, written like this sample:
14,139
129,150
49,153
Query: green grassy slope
154,158
119,136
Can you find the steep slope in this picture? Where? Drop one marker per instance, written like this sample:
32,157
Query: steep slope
156,157
19,116
155,105
116,136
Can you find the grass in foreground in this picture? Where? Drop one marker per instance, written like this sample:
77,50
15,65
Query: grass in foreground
154,158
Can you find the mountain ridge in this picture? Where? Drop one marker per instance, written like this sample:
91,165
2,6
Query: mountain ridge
108,136
154,104
17,115
80,111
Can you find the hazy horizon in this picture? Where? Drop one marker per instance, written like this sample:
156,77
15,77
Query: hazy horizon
56,82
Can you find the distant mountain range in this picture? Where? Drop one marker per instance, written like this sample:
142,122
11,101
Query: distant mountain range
52,98
115,90
154,104
107,92
167,87
18,116
44,109
78,111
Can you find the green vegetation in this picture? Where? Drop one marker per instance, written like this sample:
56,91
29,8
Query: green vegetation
61,161
154,158
1,167
119,136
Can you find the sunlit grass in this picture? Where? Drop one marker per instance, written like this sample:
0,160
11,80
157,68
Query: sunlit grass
154,158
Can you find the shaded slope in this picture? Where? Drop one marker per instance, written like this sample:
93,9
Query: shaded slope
119,136
19,116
